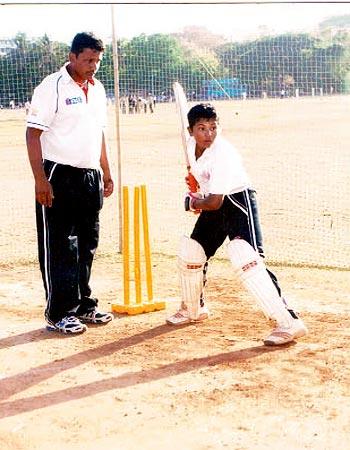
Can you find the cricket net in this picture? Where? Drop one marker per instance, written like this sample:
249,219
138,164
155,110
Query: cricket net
282,99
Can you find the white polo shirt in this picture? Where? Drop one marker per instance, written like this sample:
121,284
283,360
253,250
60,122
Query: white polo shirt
72,126
219,170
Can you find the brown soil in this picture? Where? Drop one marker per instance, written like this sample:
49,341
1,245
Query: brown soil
139,383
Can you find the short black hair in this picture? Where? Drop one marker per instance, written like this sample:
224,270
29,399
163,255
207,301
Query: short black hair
201,111
86,40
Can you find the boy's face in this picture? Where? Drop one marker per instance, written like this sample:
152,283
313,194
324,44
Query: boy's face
204,132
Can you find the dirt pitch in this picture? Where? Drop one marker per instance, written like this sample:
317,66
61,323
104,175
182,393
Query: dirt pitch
140,384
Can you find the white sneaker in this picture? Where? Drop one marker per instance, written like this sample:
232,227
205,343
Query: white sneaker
67,325
182,316
283,335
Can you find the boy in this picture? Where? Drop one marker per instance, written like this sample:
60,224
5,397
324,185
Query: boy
227,206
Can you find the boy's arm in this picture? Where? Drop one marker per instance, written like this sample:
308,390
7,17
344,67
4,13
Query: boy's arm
108,184
43,189
210,203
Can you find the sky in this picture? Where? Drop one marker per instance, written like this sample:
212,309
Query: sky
237,22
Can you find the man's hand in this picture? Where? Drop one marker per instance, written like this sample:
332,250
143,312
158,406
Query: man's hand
108,186
189,201
43,192
43,189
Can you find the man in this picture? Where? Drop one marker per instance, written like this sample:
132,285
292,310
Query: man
67,148
228,208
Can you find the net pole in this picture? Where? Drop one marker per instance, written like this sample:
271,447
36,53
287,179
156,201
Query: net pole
117,130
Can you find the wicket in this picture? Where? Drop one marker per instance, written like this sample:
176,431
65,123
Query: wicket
138,306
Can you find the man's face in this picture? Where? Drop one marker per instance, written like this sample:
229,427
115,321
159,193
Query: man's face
86,63
204,132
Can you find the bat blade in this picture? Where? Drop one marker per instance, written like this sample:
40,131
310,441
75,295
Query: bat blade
182,108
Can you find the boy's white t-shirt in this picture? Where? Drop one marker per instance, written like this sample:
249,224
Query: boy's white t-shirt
219,170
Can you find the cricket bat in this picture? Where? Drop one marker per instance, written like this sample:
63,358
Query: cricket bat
182,108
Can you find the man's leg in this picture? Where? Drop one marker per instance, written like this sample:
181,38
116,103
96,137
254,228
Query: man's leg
57,246
88,236
88,226
58,262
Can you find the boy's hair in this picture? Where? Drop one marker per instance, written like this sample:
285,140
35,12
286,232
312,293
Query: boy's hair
201,111
86,40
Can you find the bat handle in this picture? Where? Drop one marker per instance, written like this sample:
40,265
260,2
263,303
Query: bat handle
192,182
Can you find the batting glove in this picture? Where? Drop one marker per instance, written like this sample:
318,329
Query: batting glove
190,197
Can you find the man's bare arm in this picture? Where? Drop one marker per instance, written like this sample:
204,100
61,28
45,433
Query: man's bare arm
43,189
108,184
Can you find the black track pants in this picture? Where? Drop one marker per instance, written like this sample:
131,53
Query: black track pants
68,235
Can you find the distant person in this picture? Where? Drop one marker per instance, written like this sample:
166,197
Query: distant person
141,105
123,104
132,102
67,152
150,102
27,107
227,207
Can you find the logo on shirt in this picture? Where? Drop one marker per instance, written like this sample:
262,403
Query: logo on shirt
74,100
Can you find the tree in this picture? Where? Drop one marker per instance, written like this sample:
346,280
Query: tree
25,65
281,62
153,63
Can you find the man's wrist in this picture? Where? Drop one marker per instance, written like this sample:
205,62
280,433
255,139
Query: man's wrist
40,176
106,172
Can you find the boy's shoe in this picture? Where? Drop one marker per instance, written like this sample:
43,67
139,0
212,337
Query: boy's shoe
284,335
95,316
182,316
68,324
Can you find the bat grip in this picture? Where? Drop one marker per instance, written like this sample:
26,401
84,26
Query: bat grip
192,182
